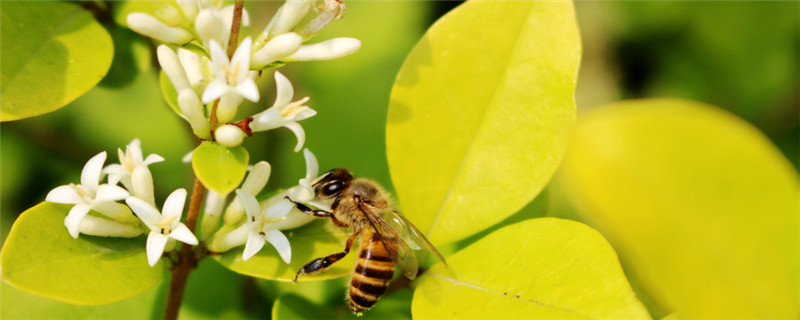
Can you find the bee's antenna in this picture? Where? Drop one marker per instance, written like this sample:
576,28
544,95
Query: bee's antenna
320,178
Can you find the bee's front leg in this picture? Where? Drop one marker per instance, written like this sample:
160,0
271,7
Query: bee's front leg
307,210
323,263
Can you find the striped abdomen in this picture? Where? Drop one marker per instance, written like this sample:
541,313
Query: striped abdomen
373,272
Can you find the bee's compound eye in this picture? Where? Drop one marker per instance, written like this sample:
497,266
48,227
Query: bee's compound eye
332,188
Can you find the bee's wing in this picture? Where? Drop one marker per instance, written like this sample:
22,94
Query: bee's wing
414,236
398,250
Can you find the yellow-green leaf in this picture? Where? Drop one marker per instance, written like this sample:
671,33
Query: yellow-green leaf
220,168
544,268
479,113
41,258
308,243
53,52
168,90
394,305
701,206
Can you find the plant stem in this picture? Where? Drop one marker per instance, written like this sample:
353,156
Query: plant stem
236,23
187,258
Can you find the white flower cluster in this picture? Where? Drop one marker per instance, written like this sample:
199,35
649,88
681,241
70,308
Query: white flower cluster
114,219
207,76
248,222
205,79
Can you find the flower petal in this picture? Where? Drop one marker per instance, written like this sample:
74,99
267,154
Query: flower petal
115,173
247,88
215,89
135,150
299,132
284,88
107,192
145,211
281,243
254,244
173,69
152,158
173,206
312,166
278,210
64,194
155,247
73,219
142,184
183,234
90,176
240,62
251,206
219,59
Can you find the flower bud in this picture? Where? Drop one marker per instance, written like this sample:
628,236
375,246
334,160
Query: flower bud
149,26
189,8
143,184
172,67
211,214
229,136
257,178
326,50
169,15
193,65
287,17
95,226
276,49
192,109
209,25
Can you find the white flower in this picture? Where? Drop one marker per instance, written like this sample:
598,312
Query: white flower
302,192
91,195
163,225
261,227
283,112
133,171
232,82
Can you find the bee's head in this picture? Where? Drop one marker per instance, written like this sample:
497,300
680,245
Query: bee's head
332,183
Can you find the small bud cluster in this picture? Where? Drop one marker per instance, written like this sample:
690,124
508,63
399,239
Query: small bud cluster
210,86
203,75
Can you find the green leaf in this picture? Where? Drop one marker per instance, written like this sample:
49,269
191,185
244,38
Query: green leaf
479,114
53,53
219,168
308,243
701,206
394,305
41,258
15,304
543,267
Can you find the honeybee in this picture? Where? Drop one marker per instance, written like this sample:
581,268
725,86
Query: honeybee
386,237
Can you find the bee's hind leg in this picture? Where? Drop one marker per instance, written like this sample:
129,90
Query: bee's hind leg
323,263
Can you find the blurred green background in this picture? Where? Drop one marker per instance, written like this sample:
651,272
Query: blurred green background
741,56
